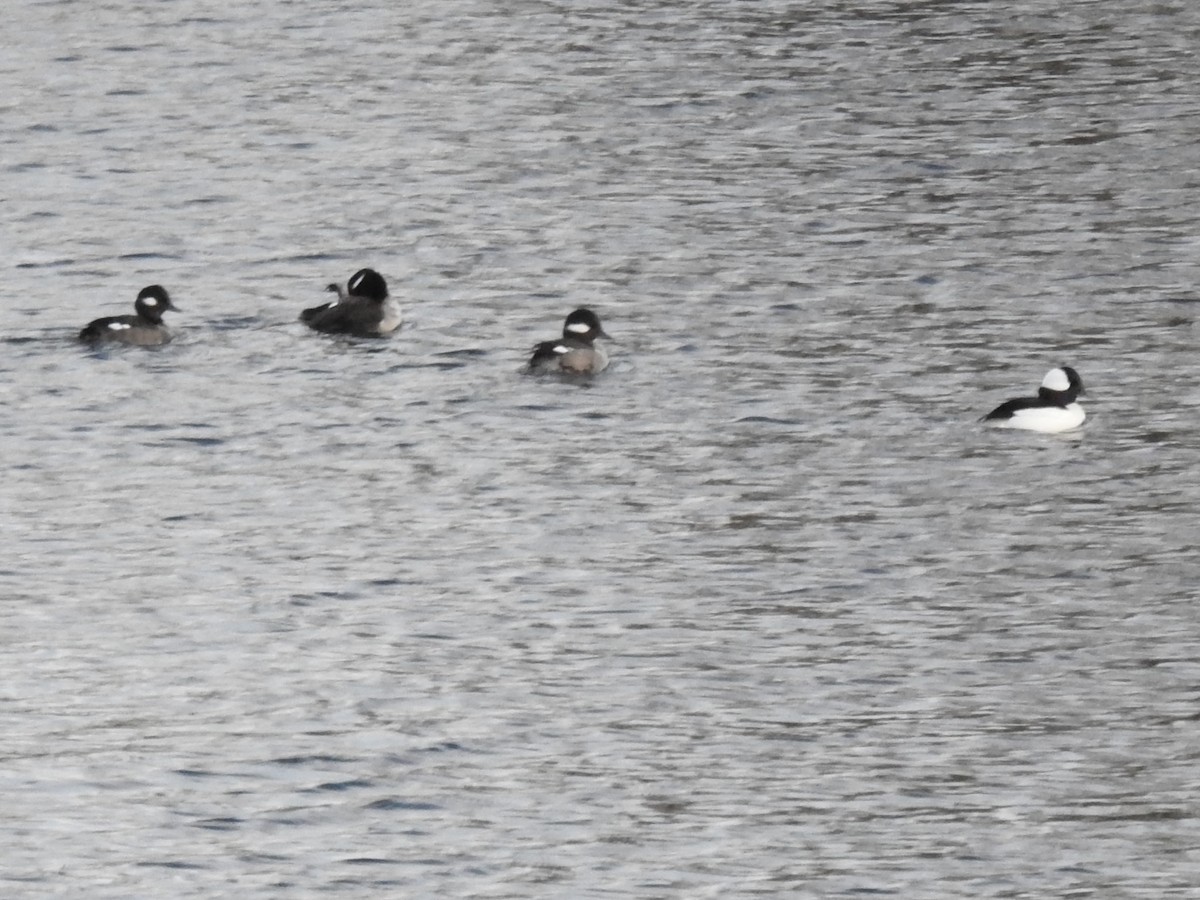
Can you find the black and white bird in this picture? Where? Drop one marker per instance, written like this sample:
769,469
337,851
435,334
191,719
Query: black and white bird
1053,409
362,308
145,328
576,353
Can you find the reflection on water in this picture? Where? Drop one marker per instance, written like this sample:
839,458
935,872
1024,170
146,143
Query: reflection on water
759,611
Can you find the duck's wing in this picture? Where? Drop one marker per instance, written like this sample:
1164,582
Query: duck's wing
1010,408
107,327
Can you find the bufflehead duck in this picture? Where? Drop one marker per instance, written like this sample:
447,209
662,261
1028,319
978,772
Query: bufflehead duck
363,308
1053,409
145,329
576,353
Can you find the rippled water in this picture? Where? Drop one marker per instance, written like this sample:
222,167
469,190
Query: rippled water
761,611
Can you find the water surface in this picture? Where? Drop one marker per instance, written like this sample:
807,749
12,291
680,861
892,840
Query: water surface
761,611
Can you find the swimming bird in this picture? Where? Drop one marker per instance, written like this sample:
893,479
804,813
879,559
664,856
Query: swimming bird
576,353
363,308
145,328
1053,409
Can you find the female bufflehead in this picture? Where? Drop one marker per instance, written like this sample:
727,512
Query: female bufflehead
576,353
145,329
363,308
1053,409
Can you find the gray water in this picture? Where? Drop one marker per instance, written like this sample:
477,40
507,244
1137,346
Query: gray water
760,611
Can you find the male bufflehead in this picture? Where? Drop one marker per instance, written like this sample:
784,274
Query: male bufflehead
1053,409
363,308
145,329
576,353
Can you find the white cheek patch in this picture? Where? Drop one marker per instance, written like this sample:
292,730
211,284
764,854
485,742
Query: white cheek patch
579,327
355,282
1056,380
118,326
150,301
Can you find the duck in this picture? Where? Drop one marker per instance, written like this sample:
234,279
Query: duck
144,329
576,352
362,308
1053,410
